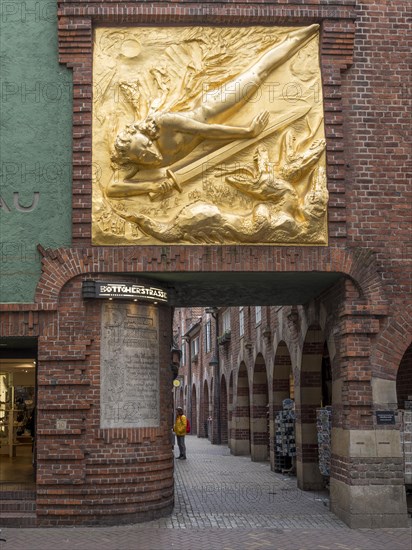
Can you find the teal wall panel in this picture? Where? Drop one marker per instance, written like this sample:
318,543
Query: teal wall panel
35,153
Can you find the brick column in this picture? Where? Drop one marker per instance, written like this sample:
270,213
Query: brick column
280,391
241,416
87,473
367,478
308,395
259,410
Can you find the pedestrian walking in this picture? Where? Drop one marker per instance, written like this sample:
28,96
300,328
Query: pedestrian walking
180,428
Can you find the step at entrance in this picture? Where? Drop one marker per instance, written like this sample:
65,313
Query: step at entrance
17,508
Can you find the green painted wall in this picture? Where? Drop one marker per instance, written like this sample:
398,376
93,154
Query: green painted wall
35,153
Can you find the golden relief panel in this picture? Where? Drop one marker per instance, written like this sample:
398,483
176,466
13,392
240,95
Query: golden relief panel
208,135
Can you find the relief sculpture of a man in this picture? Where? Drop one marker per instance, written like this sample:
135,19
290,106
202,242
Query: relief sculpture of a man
148,157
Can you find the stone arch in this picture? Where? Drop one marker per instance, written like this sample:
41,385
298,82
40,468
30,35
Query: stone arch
193,419
241,415
282,388
308,397
259,411
392,344
223,411
61,265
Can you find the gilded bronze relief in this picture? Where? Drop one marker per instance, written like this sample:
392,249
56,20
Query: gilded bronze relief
208,136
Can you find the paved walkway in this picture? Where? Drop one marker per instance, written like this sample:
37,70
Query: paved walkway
223,503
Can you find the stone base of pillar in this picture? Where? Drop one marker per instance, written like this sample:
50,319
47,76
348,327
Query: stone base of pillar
259,453
369,506
240,447
309,476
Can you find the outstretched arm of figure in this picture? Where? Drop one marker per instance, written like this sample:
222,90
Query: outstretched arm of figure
215,131
121,190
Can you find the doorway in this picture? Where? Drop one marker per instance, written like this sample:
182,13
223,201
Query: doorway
18,393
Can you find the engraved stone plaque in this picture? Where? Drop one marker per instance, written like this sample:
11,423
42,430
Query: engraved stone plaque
129,375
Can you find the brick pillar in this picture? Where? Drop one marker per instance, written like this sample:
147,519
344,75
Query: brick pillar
280,391
259,410
193,419
308,396
367,472
230,413
223,412
204,411
241,416
87,472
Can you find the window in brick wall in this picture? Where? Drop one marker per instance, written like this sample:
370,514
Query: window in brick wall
241,322
208,336
183,353
226,321
195,347
258,313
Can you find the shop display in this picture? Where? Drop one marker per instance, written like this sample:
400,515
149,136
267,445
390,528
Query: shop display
324,428
285,443
405,418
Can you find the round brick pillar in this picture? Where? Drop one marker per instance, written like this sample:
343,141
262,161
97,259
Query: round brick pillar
105,411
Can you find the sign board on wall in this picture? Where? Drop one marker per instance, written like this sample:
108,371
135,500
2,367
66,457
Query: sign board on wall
129,366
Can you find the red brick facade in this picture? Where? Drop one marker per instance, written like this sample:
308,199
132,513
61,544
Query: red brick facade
87,475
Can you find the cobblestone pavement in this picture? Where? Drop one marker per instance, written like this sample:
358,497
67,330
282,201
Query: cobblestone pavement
224,503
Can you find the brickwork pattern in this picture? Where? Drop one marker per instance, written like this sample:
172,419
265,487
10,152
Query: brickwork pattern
227,502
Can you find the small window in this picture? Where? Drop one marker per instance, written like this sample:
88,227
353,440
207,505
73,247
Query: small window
258,313
241,322
195,346
183,352
226,321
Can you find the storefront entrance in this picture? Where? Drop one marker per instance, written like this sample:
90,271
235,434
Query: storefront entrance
17,414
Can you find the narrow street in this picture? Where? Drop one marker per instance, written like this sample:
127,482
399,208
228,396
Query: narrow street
223,502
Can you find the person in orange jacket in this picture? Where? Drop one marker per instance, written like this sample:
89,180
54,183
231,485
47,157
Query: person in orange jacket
180,431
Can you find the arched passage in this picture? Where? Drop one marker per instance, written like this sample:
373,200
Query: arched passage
282,388
404,378
404,395
241,415
308,399
259,412
193,419
223,411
